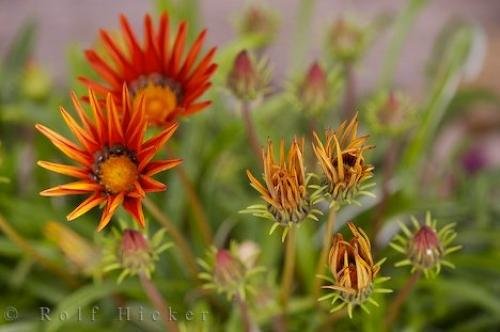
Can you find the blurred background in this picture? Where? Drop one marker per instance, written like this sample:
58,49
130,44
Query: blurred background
448,162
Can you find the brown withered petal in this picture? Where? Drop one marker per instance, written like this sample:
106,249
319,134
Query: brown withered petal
284,188
342,161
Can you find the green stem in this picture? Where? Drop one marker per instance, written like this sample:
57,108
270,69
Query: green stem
253,140
330,225
399,300
245,315
288,270
401,27
178,238
159,302
350,91
301,40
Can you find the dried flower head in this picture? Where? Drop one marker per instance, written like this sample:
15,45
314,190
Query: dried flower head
347,40
426,247
354,271
248,79
115,165
169,78
285,189
229,272
342,161
390,113
133,253
259,21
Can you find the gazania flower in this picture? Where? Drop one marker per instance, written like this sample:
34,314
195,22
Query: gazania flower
353,271
342,161
426,247
115,164
285,189
169,79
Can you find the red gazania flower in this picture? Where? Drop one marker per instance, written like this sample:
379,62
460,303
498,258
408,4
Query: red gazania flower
169,79
115,164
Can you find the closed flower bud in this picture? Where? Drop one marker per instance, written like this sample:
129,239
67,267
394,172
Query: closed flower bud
347,40
133,252
247,79
313,92
228,272
425,247
353,270
261,22
36,83
474,160
390,113
341,157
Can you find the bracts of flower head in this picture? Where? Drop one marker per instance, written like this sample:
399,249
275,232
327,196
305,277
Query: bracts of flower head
248,78
426,246
354,273
341,157
231,271
288,199
132,252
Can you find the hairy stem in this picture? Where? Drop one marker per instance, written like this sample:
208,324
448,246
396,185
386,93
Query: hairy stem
178,238
245,314
399,300
253,140
327,236
286,283
26,247
158,302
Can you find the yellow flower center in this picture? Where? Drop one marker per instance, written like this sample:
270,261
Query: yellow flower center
118,173
159,101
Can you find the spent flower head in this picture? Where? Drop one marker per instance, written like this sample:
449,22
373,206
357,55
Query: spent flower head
426,246
342,161
285,191
133,252
231,271
248,78
354,273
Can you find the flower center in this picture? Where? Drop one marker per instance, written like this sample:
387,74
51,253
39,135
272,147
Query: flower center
160,96
115,169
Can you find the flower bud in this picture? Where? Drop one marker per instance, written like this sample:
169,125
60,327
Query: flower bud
259,21
347,40
36,83
227,273
135,251
247,79
425,247
390,113
312,93
474,160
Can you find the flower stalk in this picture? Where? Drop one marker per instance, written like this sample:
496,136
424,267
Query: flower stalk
400,299
327,237
158,301
252,137
289,267
177,237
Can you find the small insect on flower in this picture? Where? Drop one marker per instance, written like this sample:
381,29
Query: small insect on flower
426,247
115,161
343,164
354,272
288,199
168,78
133,253
231,272
248,79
